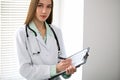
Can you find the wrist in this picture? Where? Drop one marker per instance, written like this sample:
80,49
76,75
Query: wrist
57,68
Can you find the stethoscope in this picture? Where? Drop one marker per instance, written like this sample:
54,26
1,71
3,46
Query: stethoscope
38,52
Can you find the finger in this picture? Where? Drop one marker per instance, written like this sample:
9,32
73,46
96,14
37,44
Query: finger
68,60
73,69
66,64
67,71
70,70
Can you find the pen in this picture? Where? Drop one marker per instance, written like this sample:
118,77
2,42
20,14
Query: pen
62,58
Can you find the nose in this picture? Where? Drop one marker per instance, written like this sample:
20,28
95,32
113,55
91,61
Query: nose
44,10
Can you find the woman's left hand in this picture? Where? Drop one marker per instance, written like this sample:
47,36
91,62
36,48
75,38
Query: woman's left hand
71,69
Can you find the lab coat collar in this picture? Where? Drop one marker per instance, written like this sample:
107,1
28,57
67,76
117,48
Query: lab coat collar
48,30
49,34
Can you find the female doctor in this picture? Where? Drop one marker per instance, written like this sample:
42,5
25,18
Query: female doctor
40,45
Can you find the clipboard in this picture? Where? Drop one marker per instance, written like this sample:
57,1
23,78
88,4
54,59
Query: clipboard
79,58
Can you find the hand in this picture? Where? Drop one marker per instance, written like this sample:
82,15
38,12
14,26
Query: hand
63,65
70,70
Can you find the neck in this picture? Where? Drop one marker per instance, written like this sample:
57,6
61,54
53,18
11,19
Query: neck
39,24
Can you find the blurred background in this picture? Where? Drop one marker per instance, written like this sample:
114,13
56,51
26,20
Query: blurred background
102,34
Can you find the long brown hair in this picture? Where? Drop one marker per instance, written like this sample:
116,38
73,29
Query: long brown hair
32,10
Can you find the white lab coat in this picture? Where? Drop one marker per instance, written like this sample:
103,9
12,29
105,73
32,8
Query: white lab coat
37,66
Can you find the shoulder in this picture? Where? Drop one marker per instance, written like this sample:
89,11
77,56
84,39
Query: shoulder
55,28
20,30
58,31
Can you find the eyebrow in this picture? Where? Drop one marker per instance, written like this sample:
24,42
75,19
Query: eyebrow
42,3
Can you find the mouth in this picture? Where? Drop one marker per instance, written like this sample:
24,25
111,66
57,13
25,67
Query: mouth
43,16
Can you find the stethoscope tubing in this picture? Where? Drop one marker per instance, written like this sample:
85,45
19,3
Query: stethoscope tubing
58,46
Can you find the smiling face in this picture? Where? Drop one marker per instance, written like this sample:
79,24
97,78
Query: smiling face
43,10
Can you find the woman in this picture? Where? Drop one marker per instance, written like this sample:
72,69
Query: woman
38,44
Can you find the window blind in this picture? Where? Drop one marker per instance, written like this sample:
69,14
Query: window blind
12,15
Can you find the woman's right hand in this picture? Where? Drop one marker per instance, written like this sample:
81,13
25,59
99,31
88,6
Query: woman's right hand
63,65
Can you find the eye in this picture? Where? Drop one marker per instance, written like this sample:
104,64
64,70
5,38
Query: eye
40,5
49,6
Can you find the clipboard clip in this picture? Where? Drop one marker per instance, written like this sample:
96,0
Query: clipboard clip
85,60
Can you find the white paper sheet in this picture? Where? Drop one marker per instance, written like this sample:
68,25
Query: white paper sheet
78,57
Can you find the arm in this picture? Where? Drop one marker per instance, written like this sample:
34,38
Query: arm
64,64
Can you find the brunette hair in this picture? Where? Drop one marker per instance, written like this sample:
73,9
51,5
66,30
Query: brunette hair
32,10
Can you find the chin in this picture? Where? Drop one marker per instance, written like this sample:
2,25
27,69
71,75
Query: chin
42,20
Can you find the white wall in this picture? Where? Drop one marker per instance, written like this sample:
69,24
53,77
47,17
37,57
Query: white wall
56,13
102,34
71,23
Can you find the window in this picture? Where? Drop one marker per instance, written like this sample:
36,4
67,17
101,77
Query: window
12,15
